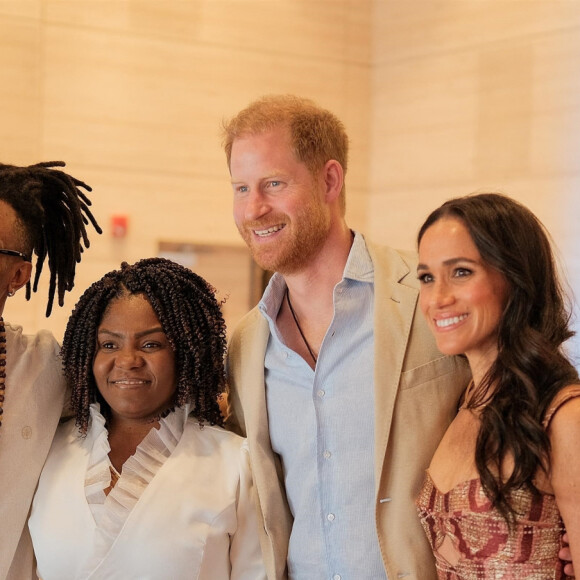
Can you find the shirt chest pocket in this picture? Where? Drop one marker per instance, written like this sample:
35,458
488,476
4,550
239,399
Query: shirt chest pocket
444,370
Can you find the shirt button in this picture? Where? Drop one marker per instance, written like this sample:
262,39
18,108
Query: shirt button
26,432
330,517
336,577
320,393
327,454
285,354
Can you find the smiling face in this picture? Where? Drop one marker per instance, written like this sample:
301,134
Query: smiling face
134,364
462,297
279,205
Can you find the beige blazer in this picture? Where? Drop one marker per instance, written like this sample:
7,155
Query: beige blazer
416,394
35,392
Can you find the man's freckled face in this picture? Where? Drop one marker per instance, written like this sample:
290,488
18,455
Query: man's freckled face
278,204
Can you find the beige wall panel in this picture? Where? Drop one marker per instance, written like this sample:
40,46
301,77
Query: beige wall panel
555,136
396,218
425,121
329,29
130,102
412,28
25,8
504,110
480,114
352,105
20,90
357,201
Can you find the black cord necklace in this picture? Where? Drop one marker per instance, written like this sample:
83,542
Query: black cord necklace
314,358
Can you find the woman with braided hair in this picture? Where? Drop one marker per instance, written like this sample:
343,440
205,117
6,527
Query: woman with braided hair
145,482
43,213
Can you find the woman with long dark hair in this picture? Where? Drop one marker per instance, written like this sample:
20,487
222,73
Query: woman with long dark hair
505,480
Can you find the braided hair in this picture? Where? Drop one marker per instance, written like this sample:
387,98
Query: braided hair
190,316
52,213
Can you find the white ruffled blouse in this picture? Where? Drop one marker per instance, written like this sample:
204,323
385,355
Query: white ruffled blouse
181,508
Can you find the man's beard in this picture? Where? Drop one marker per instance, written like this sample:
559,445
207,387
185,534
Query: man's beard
303,239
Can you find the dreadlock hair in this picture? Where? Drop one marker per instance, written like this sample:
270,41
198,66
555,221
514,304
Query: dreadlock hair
190,316
531,366
52,212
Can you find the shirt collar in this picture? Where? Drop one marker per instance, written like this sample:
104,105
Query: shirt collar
359,267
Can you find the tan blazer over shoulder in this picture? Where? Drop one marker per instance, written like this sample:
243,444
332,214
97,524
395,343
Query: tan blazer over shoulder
35,392
416,395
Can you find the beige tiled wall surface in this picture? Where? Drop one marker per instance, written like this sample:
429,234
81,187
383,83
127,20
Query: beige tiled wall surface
440,98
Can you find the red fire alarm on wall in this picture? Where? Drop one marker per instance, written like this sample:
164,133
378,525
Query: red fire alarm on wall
119,226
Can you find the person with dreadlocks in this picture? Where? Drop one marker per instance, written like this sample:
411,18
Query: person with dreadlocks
43,213
145,482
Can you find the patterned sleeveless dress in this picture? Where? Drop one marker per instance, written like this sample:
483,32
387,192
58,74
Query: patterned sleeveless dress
478,537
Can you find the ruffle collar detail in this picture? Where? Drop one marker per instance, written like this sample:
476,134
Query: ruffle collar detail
110,512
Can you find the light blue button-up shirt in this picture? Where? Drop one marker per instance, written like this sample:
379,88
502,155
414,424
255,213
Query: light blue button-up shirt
322,426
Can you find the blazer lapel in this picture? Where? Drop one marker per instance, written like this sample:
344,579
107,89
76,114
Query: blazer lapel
34,400
252,379
263,458
394,306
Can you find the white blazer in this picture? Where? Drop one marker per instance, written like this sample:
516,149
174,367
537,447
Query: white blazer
35,393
